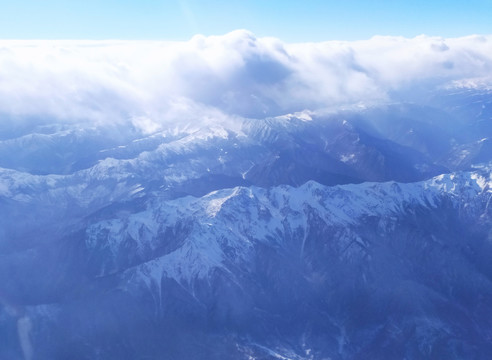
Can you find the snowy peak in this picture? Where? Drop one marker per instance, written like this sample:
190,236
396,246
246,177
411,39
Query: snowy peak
220,228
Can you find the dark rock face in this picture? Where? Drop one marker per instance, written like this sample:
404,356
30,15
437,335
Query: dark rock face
333,238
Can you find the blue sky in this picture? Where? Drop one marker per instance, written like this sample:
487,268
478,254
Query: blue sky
289,20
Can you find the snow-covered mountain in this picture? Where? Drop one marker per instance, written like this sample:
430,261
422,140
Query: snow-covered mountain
301,272
347,234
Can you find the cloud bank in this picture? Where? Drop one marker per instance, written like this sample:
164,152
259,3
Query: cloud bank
151,83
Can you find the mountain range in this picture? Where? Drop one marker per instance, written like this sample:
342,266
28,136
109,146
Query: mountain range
354,232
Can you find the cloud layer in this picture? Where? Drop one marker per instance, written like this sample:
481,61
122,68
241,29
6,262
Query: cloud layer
237,74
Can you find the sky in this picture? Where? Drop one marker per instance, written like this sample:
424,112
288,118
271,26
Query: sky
294,56
288,20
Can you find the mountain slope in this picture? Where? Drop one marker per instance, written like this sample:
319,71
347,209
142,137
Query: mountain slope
307,272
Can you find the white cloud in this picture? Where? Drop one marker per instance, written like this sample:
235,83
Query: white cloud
151,83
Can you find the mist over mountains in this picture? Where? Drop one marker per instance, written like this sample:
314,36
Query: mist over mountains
236,74
236,197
